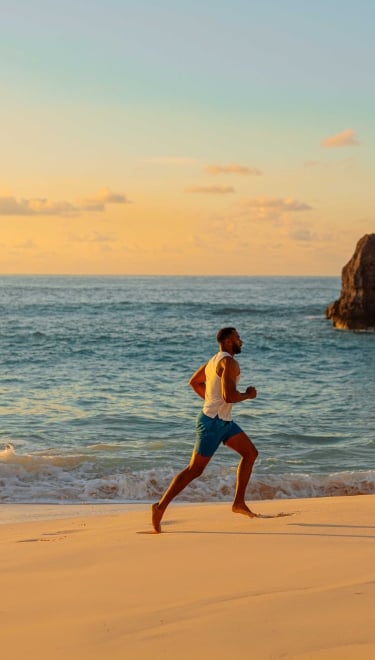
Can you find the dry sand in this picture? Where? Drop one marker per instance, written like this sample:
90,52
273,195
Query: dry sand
213,585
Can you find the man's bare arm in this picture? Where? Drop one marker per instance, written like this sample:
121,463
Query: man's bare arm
198,381
229,374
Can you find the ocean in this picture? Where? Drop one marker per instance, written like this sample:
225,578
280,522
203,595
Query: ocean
95,402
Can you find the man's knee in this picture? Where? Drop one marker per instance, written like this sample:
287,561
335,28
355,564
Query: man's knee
242,444
252,452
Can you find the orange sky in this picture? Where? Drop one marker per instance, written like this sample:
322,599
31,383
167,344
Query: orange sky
145,142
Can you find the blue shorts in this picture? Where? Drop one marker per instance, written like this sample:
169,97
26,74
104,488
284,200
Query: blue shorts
211,431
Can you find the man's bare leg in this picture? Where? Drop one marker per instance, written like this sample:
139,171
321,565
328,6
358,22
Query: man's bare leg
243,445
179,482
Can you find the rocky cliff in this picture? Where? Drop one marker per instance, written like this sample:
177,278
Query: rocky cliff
355,309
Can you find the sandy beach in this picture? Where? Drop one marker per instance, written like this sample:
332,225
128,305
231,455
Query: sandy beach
98,584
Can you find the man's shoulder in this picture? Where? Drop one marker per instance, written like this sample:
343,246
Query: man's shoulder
232,366
229,360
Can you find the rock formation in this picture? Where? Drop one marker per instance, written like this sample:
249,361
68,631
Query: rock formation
355,309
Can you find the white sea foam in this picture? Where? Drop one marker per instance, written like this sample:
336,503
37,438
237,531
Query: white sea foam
79,478
35,462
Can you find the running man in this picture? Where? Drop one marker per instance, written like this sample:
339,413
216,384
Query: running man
216,383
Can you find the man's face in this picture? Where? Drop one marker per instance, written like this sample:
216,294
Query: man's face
236,342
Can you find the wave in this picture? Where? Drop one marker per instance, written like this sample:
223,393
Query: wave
78,478
39,460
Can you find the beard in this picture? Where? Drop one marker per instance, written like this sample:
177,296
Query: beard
236,349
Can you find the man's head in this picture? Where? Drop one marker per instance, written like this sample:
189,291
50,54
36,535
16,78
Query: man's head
229,340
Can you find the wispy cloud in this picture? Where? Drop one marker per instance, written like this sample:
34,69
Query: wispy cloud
282,217
262,221
271,208
210,190
107,196
302,233
233,168
104,196
346,138
10,206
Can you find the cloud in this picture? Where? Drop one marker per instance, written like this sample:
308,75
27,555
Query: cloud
233,168
105,196
10,206
272,208
211,190
346,138
302,233
281,216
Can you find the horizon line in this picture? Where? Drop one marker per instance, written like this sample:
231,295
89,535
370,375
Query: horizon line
153,275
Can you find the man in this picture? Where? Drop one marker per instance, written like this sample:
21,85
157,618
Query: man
216,383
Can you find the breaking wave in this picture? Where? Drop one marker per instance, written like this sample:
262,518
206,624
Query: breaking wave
76,478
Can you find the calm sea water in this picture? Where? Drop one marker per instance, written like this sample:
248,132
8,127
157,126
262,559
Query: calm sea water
95,405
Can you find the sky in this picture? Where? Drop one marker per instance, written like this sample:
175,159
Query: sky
179,137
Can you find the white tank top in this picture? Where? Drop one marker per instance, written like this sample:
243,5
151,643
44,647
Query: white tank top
214,403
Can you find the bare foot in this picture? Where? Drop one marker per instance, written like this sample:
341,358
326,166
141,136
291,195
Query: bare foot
244,509
156,516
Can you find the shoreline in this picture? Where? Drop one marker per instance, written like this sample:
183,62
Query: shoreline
25,512
213,584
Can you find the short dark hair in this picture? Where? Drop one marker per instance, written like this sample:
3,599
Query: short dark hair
224,333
